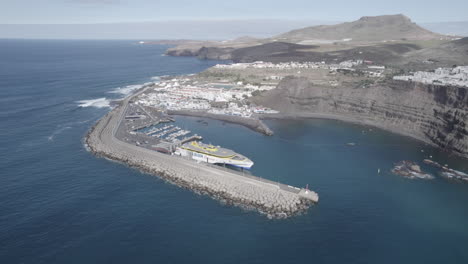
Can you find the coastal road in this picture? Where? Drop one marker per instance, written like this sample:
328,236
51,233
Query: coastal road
250,179
268,196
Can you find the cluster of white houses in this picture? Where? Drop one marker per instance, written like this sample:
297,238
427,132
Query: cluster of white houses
351,65
185,94
457,76
290,65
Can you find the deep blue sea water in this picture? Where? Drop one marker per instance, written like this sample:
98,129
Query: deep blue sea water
60,204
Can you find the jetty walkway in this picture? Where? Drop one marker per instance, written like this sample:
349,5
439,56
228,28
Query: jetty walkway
272,198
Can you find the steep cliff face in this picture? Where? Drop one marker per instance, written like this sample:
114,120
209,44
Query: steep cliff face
214,53
435,114
205,53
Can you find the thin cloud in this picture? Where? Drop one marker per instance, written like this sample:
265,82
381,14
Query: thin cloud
95,1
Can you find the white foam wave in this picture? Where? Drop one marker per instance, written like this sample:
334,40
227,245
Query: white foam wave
130,88
98,103
127,89
58,131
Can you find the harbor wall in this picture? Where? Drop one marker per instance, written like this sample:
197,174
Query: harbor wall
272,199
253,123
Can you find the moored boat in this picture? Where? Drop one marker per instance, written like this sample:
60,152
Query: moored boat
213,154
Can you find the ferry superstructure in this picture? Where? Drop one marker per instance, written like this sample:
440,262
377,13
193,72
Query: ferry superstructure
213,154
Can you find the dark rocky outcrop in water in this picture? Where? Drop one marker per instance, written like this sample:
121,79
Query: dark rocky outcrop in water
434,114
410,170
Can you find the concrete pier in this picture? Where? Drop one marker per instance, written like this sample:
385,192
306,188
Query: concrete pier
273,199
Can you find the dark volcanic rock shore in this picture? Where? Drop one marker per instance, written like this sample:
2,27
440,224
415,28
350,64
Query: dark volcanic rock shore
435,114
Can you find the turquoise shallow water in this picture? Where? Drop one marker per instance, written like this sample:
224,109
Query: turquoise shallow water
60,204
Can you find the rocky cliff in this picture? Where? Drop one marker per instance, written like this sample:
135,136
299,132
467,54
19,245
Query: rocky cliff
434,114
205,53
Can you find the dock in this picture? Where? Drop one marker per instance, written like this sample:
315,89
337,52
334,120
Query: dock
274,199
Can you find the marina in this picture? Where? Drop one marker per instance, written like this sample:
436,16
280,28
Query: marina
188,163
154,129
171,139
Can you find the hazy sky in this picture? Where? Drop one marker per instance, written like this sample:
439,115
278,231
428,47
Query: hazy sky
109,11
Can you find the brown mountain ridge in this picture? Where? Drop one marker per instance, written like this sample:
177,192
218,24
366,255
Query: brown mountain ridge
368,28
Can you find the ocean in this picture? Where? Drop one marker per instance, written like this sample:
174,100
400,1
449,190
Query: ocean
61,204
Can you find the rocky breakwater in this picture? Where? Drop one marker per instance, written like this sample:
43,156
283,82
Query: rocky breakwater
253,123
435,114
273,199
448,172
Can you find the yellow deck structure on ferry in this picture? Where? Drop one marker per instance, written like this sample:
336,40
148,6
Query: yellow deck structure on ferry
210,150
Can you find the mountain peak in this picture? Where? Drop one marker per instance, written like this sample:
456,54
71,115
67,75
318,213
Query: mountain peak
384,20
367,28
386,17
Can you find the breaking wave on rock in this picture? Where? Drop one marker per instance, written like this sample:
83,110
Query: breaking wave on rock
127,89
98,103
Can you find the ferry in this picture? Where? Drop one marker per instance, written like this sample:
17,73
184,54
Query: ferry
213,154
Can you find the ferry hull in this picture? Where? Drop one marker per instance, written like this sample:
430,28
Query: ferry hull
243,163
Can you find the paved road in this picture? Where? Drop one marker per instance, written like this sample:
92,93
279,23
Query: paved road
108,139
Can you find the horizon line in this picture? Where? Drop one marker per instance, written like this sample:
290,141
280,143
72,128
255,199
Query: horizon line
229,19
